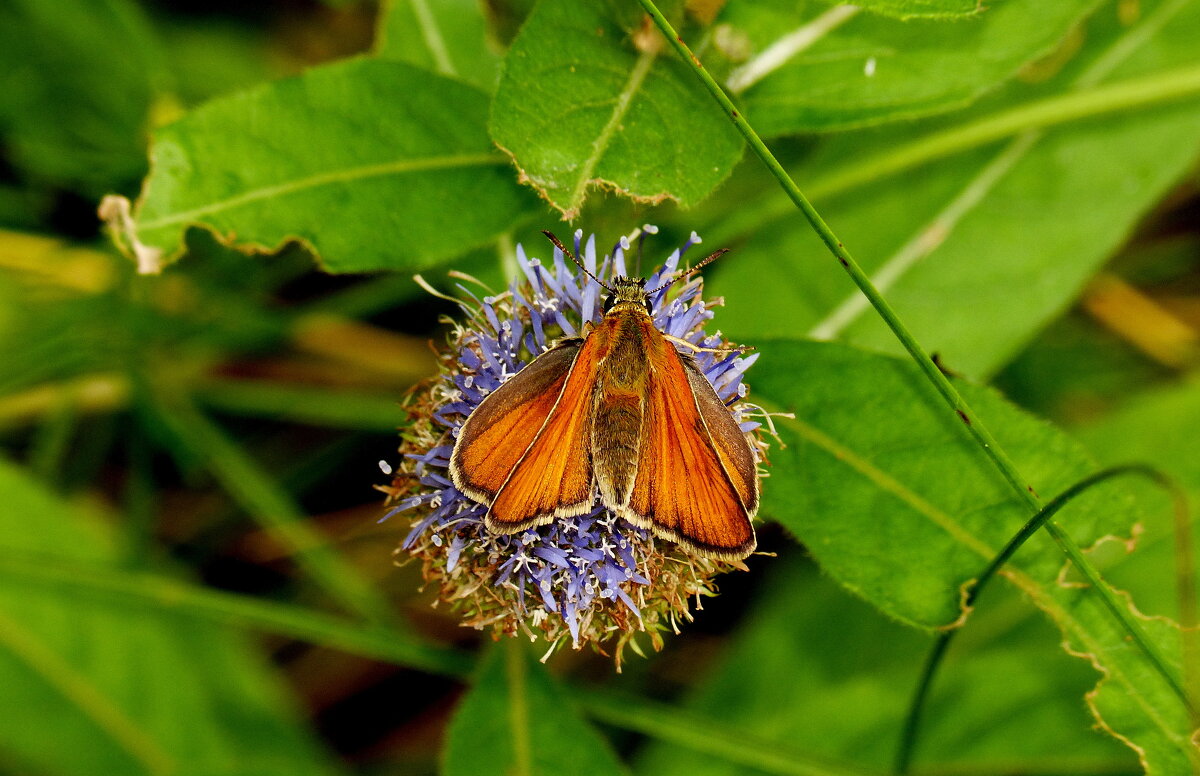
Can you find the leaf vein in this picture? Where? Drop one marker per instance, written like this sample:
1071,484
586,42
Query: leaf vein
396,167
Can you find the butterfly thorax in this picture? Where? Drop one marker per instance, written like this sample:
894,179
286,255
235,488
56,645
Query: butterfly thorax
627,293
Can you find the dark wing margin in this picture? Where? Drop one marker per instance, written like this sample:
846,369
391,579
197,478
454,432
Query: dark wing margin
498,432
727,437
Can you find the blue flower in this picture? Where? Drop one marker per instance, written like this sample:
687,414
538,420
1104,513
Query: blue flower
589,579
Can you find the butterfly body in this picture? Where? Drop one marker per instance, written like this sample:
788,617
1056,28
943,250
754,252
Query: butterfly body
618,414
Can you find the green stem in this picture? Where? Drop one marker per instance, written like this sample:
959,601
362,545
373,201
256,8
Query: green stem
974,426
515,669
52,440
933,660
139,501
432,35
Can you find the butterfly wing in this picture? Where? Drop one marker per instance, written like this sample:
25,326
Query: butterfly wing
695,483
506,422
553,477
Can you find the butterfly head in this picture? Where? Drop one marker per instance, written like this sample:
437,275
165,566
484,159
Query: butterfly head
627,291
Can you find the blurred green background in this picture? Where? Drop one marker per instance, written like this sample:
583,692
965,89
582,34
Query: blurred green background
190,457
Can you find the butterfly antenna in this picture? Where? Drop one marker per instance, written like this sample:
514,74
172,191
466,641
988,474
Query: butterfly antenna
709,259
558,244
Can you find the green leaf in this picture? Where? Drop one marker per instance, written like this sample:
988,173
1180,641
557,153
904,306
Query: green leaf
516,721
579,106
978,251
444,36
77,81
372,164
901,507
126,690
865,69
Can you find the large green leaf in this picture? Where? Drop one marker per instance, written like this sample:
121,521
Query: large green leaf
579,106
516,720
898,504
891,496
444,36
857,70
1009,700
373,164
126,689
77,80
976,252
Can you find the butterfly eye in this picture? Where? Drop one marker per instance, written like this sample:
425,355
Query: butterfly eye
608,303
646,303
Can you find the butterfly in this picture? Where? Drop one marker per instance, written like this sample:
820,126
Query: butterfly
618,413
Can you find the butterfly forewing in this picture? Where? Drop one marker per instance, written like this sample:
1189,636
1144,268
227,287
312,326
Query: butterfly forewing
553,477
504,425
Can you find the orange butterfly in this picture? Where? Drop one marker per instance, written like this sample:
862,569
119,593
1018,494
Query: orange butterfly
621,413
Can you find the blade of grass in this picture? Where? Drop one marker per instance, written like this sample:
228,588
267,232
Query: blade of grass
85,696
297,622
272,508
300,404
973,424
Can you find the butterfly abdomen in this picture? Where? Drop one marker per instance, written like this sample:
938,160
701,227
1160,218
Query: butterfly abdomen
616,433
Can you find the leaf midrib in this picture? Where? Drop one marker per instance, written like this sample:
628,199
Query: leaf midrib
396,167
637,76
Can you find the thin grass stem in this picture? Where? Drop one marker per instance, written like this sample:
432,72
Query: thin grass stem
941,383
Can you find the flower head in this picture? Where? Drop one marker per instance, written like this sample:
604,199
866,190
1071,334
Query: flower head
593,578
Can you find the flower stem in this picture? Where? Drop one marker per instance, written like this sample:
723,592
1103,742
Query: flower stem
908,738
974,426
515,668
